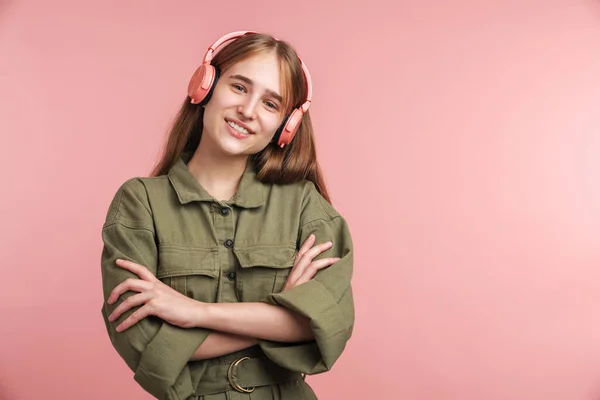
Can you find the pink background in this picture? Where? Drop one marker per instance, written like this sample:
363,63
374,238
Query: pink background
461,139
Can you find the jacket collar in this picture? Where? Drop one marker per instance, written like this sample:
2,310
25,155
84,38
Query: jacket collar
250,193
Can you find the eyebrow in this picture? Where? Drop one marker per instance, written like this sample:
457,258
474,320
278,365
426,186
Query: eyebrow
249,81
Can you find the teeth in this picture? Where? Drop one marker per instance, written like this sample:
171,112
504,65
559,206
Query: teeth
238,128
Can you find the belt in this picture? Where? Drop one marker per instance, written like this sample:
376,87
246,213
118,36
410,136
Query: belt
243,375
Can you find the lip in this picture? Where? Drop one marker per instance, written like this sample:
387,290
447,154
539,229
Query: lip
236,134
235,121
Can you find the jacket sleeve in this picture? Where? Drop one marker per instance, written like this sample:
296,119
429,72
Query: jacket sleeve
157,352
326,299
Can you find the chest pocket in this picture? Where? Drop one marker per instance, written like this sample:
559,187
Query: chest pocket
192,272
264,270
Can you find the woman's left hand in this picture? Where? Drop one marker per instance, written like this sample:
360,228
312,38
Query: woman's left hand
158,299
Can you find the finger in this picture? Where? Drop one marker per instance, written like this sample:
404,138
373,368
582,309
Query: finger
132,284
305,260
137,269
134,318
310,240
313,268
312,253
307,273
306,245
130,302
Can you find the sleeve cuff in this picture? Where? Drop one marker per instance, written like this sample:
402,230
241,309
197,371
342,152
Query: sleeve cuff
328,322
313,301
163,369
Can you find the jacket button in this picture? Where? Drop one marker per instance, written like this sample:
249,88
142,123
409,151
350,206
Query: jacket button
224,211
231,276
228,243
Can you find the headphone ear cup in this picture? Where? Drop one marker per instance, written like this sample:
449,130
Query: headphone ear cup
280,129
211,89
289,127
202,83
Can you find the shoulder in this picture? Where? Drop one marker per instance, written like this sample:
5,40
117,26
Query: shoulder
321,218
131,199
312,205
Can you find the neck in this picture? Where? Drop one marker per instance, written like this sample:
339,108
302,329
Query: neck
217,173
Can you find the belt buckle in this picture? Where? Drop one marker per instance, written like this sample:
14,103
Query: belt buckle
230,377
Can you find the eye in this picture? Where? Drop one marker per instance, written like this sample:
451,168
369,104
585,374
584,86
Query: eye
271,105
238,87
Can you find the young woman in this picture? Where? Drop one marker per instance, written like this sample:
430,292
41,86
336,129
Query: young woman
227,273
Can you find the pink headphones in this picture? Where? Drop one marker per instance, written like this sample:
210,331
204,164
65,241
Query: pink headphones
206,76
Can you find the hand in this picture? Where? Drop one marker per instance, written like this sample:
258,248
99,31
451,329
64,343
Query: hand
159,300
304,267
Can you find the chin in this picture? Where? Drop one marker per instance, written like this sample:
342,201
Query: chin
234,149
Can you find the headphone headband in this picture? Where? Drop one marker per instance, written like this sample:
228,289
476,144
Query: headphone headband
233,35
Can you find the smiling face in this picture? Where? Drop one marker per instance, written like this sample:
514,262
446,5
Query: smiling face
245,108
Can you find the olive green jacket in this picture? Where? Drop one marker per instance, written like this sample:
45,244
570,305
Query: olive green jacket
214,251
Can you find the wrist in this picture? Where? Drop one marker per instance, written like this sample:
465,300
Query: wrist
206,316
199,314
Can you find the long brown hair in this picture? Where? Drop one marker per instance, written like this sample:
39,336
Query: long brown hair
293,163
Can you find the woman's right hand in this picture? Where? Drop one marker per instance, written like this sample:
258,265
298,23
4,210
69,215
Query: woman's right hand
304,267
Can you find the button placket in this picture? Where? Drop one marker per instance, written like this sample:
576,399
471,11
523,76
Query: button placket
225,227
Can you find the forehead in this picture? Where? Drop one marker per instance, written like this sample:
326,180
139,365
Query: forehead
262,69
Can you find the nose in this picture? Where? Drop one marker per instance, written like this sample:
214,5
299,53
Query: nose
247,108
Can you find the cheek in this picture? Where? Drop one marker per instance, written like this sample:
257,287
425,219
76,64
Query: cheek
272,122
213,111
208,117
223,97
220,99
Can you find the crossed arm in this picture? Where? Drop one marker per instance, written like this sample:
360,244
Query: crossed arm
234,326
237,326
